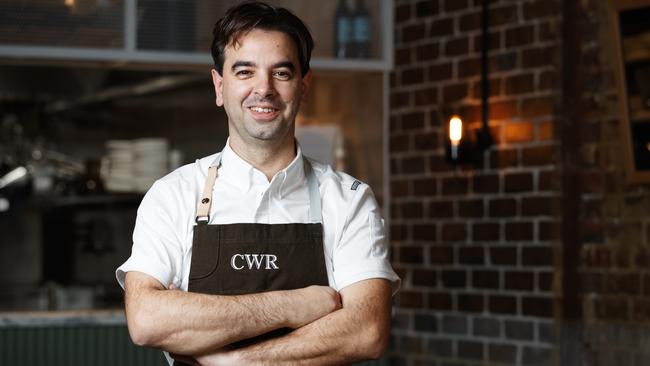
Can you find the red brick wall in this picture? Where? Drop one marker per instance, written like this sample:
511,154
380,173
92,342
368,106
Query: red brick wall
474,245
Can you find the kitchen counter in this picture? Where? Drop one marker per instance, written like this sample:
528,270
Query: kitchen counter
62,318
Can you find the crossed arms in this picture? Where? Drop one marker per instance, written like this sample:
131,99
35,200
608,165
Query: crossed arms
330,328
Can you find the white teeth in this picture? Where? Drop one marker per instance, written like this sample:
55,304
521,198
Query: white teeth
262,110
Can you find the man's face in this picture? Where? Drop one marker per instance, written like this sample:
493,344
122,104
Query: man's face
261,87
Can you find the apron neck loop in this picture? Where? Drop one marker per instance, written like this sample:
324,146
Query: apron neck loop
205,201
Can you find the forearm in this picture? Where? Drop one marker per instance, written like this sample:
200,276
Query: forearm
191,323
354,333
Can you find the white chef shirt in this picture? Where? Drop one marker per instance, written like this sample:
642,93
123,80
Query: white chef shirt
354,237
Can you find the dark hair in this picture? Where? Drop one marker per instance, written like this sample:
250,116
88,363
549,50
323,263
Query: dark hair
243,18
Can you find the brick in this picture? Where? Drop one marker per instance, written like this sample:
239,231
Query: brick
399,143
410,299
519,231
641,310
545,281
499,304
549,181
504,158
502,353
541,9
454,279
455,5
487,183
454,92
545,333
456,47
470,350
520,36
519,132
398,232
519,330
427,96
439,301
469,67
438,163
503,256
454,324
537,256
470,22
537,306
411,254
426,8
440,72
486,232
485,279
441,255
536,107
412,165
486,327
413,33
412,210
519,84
399,100
422,277
427,52
403,56
471,303
399,188
425,187
502,207
439,347
402,13
412,76
502,62
519,280
503,110
424,232
539,57
503,15
442,27
612,308
539,156
441,209
455,186
518,182
474,255
470,208
548,80
454,232
413,121
539,206
536,356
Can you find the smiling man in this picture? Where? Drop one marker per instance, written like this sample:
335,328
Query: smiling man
257,254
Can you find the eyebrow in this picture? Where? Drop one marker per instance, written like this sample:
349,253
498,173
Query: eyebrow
288,64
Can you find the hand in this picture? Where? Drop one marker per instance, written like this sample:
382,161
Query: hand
316,302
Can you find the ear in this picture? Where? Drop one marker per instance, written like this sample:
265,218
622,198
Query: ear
306,82
217,80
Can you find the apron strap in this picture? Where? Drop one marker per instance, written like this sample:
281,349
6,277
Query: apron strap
205,201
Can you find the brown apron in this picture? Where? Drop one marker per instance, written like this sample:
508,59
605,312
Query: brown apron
236,259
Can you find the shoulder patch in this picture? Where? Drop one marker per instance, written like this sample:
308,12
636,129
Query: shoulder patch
355,185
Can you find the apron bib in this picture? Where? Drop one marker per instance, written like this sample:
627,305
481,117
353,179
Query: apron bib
237,259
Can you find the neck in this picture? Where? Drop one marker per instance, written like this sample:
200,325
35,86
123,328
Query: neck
269,159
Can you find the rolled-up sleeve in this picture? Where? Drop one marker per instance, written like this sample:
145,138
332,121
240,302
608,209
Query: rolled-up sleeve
362,251
157,247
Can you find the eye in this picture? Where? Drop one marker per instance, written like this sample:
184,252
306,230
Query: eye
243,73
282,75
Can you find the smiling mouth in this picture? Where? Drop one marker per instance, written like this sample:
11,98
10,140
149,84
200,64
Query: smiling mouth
262,109
264,114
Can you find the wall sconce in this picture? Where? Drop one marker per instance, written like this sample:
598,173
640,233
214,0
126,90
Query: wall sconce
461,146
460,149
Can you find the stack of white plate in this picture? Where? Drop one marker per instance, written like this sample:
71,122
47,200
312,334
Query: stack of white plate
120,166
150,162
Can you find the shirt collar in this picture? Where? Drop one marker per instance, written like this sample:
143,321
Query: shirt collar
240,173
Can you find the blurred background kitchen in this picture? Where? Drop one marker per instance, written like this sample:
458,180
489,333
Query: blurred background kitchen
507,141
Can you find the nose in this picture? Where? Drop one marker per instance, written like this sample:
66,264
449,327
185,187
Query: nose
264,86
